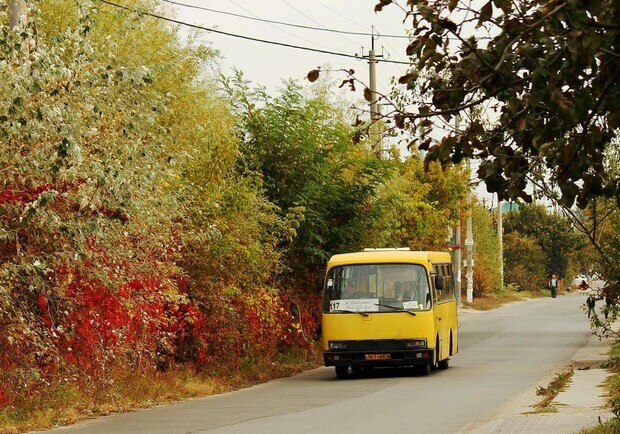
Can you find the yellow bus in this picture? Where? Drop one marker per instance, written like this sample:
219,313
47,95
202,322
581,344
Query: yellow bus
389,307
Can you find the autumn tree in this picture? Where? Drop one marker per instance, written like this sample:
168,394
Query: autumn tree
419,208
128,238
524,262
547,74
87,265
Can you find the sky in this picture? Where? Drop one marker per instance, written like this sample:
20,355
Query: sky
268,65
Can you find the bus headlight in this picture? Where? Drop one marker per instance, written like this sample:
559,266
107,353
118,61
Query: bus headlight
416,343
337,345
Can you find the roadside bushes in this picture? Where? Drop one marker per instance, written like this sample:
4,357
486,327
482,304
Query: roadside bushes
250,329
91,316
417,206
88,242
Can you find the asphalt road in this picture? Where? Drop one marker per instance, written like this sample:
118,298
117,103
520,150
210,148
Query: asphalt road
502,353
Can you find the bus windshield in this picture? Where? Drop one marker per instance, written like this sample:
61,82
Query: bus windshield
377,288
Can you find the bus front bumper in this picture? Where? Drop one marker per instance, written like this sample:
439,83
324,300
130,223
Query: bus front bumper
423,356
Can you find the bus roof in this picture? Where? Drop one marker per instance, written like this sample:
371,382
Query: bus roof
389,256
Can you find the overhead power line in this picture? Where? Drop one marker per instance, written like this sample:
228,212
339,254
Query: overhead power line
249,38
349,19
281,23
275,26
340,35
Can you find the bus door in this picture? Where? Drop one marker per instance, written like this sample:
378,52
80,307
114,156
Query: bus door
446,318
441,314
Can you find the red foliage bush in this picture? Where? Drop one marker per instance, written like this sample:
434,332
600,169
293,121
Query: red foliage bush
9,195
85,316
484,281
246,327
139,321
3,399
84,324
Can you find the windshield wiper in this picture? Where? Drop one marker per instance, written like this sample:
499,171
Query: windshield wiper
350,311
400,309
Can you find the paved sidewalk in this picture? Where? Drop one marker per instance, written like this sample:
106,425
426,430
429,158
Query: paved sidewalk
580,406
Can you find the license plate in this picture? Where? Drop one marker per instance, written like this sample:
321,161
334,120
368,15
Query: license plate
377,356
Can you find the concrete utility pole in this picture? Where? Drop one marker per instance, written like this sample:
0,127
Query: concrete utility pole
375,134
500,235
17,13
469,244
458,251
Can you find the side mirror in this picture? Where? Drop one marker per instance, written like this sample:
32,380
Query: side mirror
439,282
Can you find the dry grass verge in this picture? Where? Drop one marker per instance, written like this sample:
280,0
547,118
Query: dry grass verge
557,385
72,401
494,300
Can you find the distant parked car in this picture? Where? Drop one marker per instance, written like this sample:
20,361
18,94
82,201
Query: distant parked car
579,280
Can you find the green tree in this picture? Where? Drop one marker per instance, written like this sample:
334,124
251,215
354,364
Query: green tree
487,278
322,183
553,233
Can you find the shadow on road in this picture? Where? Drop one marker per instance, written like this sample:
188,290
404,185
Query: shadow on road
383,372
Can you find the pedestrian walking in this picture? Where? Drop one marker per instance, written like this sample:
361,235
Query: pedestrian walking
591,303
553,286
608,300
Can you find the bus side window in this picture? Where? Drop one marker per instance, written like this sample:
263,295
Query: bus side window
450,282
434,291
442,274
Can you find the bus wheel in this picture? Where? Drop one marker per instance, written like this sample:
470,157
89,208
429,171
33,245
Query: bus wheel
342,372
425,369
443,364
451,346
435,365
